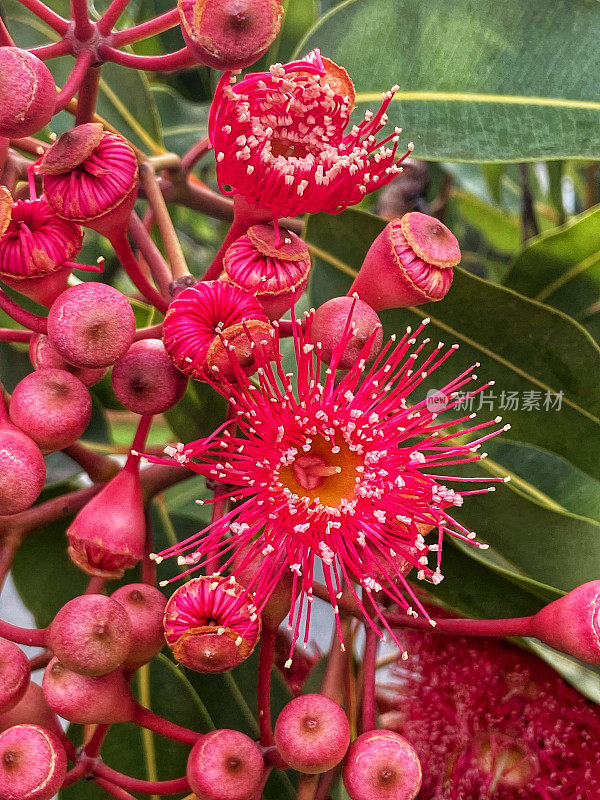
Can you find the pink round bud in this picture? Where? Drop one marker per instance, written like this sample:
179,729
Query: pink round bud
312,733
225,765
276,274
572,623
27,93
229,34
145,380
348,320
91,634
43,355
209,311
87,699
410,262
382,765
91,325
14,675
22,469
51,406
91,177
210,624
108,535
145,607
32,708
33,763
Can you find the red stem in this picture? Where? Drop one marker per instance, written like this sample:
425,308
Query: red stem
158,266
88,96
148,719
14,335
40,661
520,626
194,154
83,27
74,81
92,748
369,668
138,785
152,27
132,268
56,22
114,790
265,666
96,585
73,775
150,332
165,63
52,50
139,440
35,637
5,37
32,321
99,468
107,21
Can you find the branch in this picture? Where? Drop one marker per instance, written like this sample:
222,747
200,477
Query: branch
165,63
56,22
152,27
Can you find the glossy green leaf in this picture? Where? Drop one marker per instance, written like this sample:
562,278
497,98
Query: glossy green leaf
197,413
183,123
298,17
524,345
482,81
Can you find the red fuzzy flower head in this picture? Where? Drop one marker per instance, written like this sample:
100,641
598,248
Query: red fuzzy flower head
280,143
337,469
209,624
91,177
214,328
492,722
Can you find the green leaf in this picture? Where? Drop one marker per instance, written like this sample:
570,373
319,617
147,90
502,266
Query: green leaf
524,345
163,687
502,230
298,17
183,123
197,413
562,267
482,81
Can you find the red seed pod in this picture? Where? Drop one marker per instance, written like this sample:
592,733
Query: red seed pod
410,262
91,634
43,355
22,468
335,320
14,675
91,324
27,93
145,607
33,763
87,699
382,765
91,177
32,708
210,625
229,34
312,734
52,406
145,380
225,765
276,273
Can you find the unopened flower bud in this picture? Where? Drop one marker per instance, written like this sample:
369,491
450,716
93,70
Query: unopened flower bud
225,765
91,634
276,274
22,468
409,263
33,763
229,34
87,699
91,177
312,734
382,765
145,380
210,625
27,93
43,355
145,607
14,675
32,708
352,321
572,623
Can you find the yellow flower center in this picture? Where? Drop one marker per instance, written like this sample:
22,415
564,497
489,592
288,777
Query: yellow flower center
322,473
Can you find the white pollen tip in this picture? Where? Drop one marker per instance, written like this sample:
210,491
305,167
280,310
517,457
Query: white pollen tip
432,622
163,583
288,663
507,427
506,479
498,419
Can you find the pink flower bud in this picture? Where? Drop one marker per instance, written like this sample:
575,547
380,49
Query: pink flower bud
14,675
276,274
350,320
27,93
382,765
91,324
33,763
22,468
53,407
229,34
210,624
91,177
32,708
409,263
225,765
312,734
108,535
572,623
145,607
91,634
145,380
204,313
43,355
87,699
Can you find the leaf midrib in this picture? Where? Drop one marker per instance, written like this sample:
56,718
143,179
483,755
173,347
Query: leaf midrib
482,97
